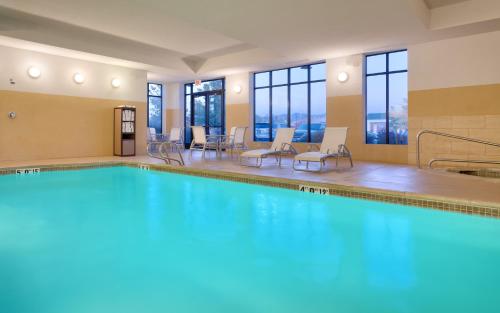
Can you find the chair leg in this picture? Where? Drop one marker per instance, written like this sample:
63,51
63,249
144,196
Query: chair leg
181,159
191,151
260,164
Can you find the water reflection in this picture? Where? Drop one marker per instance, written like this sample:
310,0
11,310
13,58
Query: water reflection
388,251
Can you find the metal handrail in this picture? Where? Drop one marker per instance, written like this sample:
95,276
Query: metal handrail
164,155
432,132
462,161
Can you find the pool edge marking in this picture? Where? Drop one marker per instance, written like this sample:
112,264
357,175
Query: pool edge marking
314,189
27,171
144,167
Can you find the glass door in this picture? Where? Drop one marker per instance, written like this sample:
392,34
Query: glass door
204,107
199,111
215,117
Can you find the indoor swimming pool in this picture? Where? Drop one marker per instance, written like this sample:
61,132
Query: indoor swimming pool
121,239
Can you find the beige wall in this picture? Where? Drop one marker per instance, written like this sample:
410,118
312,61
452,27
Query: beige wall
471,111
173,118
55,126
57,118
454,87
349,111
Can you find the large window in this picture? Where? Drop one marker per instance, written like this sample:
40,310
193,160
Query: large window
387,98
291,97
155,100
204,106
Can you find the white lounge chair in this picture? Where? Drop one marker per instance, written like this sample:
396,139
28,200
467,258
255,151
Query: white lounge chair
176,138
235,141
332,146
200,141
239,140
151,134
154,140
282,144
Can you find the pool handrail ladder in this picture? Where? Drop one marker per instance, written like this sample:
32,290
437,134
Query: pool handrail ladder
452,136
163,152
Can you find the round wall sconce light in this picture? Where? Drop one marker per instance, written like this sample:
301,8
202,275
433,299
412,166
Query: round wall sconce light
343,77
34,72
237,88
115,82
78,78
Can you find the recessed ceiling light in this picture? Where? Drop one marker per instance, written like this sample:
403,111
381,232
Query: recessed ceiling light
34,72
78,78
116,83
343,77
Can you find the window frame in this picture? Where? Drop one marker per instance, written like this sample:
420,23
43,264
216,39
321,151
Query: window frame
387,74
288,84
161,103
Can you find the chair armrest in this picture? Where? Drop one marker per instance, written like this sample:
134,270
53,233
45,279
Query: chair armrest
158,137
212,138
289,149
344,151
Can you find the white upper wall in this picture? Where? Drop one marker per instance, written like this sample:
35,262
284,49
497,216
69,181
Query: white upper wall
175,93
242,80
464,61
57,76
353,66
464,13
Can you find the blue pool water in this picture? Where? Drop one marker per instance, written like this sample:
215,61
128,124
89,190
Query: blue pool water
129,241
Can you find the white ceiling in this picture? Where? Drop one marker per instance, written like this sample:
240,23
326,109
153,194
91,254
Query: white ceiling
142,21
187,39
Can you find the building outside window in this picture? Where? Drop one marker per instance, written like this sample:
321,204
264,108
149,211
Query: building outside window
386,97
291,97
155,100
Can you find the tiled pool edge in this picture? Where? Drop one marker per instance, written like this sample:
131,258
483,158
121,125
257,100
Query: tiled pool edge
405,198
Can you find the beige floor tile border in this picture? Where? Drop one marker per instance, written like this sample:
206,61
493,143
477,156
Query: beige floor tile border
487,209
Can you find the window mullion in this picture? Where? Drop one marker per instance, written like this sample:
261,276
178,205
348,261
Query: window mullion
270,106
289,100
309,104
387,99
